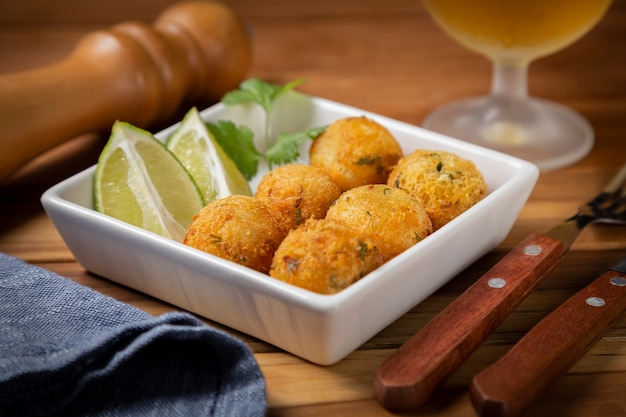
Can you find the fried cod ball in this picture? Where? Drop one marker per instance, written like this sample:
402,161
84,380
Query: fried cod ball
355,151
237,228
296,193
391,217
324,256
444,183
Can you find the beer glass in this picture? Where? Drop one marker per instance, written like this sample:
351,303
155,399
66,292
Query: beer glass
512,33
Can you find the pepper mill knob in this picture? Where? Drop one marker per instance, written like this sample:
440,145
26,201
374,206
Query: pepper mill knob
194,51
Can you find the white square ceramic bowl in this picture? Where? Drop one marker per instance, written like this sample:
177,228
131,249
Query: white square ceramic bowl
320,328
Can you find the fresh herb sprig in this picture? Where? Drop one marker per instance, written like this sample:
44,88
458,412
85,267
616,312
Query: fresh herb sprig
238,141
286,147
264,94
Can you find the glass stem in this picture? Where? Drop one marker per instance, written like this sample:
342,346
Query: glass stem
510,81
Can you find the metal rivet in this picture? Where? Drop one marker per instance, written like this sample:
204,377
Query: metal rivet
496,283
619,281
595,301
532,250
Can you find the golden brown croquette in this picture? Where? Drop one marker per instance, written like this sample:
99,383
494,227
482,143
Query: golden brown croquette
296,193
324,256
444,183
355,151
237,228
391,217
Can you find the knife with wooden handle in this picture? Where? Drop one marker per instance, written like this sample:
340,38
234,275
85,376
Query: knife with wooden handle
408,377
509,386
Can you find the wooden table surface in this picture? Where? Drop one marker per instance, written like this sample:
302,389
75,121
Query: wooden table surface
389,58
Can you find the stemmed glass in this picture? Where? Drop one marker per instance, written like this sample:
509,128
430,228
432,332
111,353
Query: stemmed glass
512,33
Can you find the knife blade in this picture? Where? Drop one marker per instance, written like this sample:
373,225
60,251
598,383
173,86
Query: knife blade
509,386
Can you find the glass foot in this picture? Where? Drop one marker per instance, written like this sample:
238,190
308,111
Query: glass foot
540,131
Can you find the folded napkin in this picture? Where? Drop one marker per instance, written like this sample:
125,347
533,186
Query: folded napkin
66,350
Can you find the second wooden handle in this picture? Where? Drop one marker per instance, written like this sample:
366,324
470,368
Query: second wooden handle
509,386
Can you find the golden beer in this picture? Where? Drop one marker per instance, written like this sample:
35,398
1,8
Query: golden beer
515,32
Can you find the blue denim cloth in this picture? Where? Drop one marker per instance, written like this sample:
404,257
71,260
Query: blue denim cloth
66,350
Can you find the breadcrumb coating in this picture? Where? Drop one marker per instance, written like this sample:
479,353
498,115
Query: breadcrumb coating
296,193
391,217
237,228
356,151
324,256
444,183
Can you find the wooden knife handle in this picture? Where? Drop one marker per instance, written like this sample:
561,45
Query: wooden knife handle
550,349
408,378
139,73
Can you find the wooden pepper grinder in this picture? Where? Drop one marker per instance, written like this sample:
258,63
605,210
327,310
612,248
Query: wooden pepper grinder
194,51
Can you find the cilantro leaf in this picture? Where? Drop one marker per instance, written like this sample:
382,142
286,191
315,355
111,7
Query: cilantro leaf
237,142
254,90
286,147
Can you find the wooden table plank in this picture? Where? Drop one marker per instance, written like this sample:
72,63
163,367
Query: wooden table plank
386,57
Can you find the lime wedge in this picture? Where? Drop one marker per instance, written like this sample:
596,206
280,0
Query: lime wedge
139,181
215,173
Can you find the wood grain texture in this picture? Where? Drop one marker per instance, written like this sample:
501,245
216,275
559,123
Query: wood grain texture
389,58
407,379
512,384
